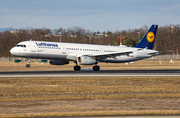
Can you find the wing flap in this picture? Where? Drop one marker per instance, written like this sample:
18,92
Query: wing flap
100,56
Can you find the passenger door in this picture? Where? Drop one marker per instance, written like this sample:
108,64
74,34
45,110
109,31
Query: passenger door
33,47
101,50
138,54
63,49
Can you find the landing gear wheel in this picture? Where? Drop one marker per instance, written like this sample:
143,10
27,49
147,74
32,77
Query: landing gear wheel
28,65
96,68
77,68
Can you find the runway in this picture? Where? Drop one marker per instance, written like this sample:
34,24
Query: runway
90,73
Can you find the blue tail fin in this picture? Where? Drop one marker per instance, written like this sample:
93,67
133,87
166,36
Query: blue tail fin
148,40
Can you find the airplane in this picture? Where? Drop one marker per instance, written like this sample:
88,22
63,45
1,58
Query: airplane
86,54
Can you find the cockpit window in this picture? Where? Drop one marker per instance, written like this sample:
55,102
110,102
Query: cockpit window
21,46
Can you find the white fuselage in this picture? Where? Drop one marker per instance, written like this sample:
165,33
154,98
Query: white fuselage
70,51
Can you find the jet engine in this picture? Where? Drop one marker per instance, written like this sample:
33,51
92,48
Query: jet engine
58,62
85,60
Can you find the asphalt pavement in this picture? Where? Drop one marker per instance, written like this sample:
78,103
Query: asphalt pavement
90,73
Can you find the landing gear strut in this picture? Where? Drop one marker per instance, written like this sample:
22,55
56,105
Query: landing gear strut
96,68
28,65
77,68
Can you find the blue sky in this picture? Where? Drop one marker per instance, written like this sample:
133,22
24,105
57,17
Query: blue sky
94,15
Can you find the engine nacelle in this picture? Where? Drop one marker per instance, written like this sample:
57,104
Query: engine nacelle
85,60
58,62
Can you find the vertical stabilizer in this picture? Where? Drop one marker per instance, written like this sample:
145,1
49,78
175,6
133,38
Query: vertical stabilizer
148,40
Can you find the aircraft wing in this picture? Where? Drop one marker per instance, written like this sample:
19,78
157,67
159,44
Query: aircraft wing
101,56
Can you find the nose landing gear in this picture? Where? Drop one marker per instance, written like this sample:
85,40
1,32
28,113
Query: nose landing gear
28,65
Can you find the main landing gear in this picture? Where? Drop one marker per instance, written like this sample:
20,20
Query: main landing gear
28,65
78,68
96,68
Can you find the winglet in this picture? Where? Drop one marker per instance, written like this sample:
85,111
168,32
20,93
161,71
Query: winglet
148,39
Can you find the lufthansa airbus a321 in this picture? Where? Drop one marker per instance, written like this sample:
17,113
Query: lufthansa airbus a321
86,54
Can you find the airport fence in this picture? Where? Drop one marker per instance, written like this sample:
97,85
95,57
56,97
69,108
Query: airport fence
166,57
158,57
18,58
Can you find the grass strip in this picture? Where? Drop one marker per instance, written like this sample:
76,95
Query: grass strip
35,97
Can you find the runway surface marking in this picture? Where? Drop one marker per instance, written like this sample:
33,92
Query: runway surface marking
47,76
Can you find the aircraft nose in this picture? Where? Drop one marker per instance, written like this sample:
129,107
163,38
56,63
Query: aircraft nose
13,51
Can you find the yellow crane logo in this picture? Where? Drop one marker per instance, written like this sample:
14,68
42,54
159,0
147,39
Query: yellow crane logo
150,37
